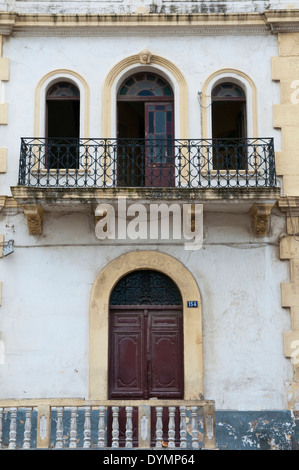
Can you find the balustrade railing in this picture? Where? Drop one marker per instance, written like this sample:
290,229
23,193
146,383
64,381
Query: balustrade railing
189,163
153,424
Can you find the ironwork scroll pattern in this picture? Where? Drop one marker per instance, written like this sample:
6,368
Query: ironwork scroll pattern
103,163
146,288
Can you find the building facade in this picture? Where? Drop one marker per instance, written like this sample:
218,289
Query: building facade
149,192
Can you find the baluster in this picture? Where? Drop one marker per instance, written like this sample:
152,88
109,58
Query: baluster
183,428
129,427
115,426
27,429
87,428
13,429
1,417
171,427
194,430
159,427
59,428
101,427
73,430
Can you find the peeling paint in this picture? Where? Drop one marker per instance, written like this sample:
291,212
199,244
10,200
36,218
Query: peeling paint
256,430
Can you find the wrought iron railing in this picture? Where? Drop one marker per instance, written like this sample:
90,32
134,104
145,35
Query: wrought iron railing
189,163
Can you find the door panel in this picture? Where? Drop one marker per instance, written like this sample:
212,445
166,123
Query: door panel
127,355
164,371
159,154
128,365
166,352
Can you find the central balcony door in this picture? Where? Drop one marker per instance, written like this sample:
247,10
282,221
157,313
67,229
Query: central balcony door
145,132
145,341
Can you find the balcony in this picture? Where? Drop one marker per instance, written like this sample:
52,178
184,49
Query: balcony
71,174
142,163
75,424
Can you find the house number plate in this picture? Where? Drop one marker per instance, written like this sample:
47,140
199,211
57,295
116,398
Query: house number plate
192,303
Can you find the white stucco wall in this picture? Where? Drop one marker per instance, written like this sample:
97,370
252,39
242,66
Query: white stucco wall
45,303
31,58
47,281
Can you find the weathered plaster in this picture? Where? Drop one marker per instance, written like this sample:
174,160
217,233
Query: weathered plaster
243,358
147,6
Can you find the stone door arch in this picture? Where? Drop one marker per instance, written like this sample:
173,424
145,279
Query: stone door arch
99,319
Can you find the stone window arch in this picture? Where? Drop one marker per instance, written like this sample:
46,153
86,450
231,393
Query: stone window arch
42,93
241,87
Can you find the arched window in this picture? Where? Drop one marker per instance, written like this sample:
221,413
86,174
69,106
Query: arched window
63,125
145,84
229,126
145,114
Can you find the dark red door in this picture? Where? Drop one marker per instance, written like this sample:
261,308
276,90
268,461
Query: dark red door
159,152
146,353
146,356
127,363
165,354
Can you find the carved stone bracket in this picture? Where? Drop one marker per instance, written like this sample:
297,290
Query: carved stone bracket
260,214
34,214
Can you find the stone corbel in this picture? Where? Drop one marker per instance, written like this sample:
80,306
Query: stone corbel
34,214
260,214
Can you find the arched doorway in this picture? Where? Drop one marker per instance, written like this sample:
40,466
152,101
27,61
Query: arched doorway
145,131
146,346
99,314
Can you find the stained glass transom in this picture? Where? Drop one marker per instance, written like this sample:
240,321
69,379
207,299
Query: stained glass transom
228,90
145,288
145,84
63,90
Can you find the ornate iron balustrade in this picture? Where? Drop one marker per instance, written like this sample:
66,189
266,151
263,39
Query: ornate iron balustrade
63,423
103,163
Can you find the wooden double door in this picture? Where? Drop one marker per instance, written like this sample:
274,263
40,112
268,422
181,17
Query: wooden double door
146,352
145,355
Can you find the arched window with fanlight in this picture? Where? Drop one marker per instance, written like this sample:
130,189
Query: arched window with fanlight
145,131
62,125
228,126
